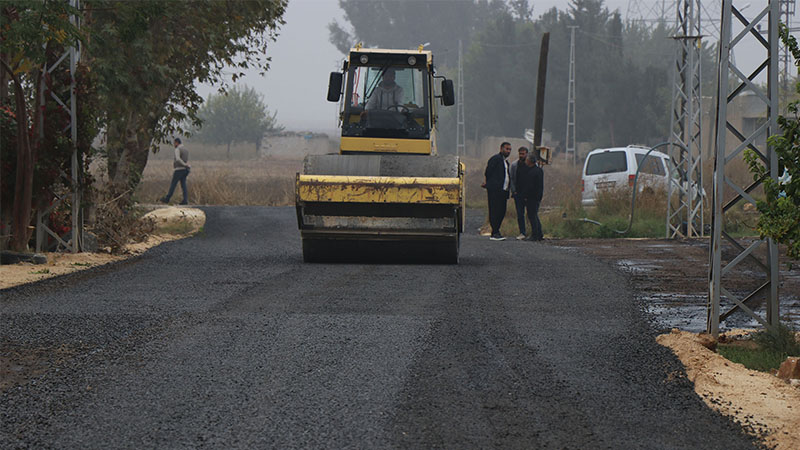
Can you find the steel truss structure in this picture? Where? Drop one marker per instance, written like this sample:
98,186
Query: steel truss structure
72,56
732,82
652,12
684,193
570,143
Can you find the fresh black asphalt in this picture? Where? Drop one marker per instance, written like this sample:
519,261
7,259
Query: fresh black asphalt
228,340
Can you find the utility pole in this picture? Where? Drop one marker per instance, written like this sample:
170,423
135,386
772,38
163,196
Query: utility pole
732,83
72,55
685,214
570,142
460,129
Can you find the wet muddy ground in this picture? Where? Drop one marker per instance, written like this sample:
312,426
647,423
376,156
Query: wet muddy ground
671,279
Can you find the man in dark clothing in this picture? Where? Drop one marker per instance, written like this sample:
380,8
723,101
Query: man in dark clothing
497,183
519,202
530,186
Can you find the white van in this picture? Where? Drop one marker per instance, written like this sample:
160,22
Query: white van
615,168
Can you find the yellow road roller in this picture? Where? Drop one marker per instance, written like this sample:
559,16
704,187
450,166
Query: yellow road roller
387,196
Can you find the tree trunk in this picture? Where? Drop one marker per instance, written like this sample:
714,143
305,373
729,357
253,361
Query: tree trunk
23,185
229,151
128,149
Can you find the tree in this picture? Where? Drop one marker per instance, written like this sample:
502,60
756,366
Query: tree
623,86
239,115
407,24
149,54
780,210
34,35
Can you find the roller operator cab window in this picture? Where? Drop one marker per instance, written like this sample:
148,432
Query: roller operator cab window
386,102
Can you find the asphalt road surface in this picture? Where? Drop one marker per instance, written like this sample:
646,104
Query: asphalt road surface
228,340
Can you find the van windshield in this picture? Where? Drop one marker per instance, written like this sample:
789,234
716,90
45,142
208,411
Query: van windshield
606,162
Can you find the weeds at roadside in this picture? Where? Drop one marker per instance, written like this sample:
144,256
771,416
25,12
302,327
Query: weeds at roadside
765,351
118,223
41,272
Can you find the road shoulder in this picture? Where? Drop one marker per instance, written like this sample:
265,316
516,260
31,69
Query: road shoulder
172,223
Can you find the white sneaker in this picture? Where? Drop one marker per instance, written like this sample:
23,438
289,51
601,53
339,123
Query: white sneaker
520,237
497,237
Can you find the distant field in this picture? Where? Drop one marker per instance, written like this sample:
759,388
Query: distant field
264,181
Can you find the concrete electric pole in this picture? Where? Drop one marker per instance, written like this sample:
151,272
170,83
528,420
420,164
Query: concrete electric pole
570,147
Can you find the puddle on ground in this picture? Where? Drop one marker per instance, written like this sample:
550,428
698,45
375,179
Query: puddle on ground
667,247
636,266
688,312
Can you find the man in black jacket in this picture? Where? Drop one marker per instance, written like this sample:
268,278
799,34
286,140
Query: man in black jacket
530,186
497,182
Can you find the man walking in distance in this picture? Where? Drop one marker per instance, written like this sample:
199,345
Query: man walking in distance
535,190
497,182
180,166
519,202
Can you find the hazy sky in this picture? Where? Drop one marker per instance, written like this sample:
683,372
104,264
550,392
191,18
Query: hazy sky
302,58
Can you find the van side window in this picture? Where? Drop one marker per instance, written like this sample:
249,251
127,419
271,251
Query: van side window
606,162
652,165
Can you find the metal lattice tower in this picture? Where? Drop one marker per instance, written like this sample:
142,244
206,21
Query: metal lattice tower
72,55
653,12
570,144
684,194
731,83
460,129
649,11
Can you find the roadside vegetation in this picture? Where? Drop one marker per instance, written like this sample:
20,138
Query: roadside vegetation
765,351
137,106
780,207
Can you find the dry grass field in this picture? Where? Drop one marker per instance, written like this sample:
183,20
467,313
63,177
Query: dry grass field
262,181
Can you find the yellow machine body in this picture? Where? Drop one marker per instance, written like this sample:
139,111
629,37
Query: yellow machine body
387,195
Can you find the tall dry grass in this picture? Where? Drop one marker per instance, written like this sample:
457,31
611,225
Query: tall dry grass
266,181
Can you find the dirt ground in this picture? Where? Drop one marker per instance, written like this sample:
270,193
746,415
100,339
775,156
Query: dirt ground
169,220
763,404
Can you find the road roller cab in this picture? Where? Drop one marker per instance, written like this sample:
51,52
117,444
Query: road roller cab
387,196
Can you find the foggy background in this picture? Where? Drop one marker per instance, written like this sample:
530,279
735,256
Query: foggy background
296,83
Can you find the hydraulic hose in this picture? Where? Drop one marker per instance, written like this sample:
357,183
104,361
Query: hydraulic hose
635,181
